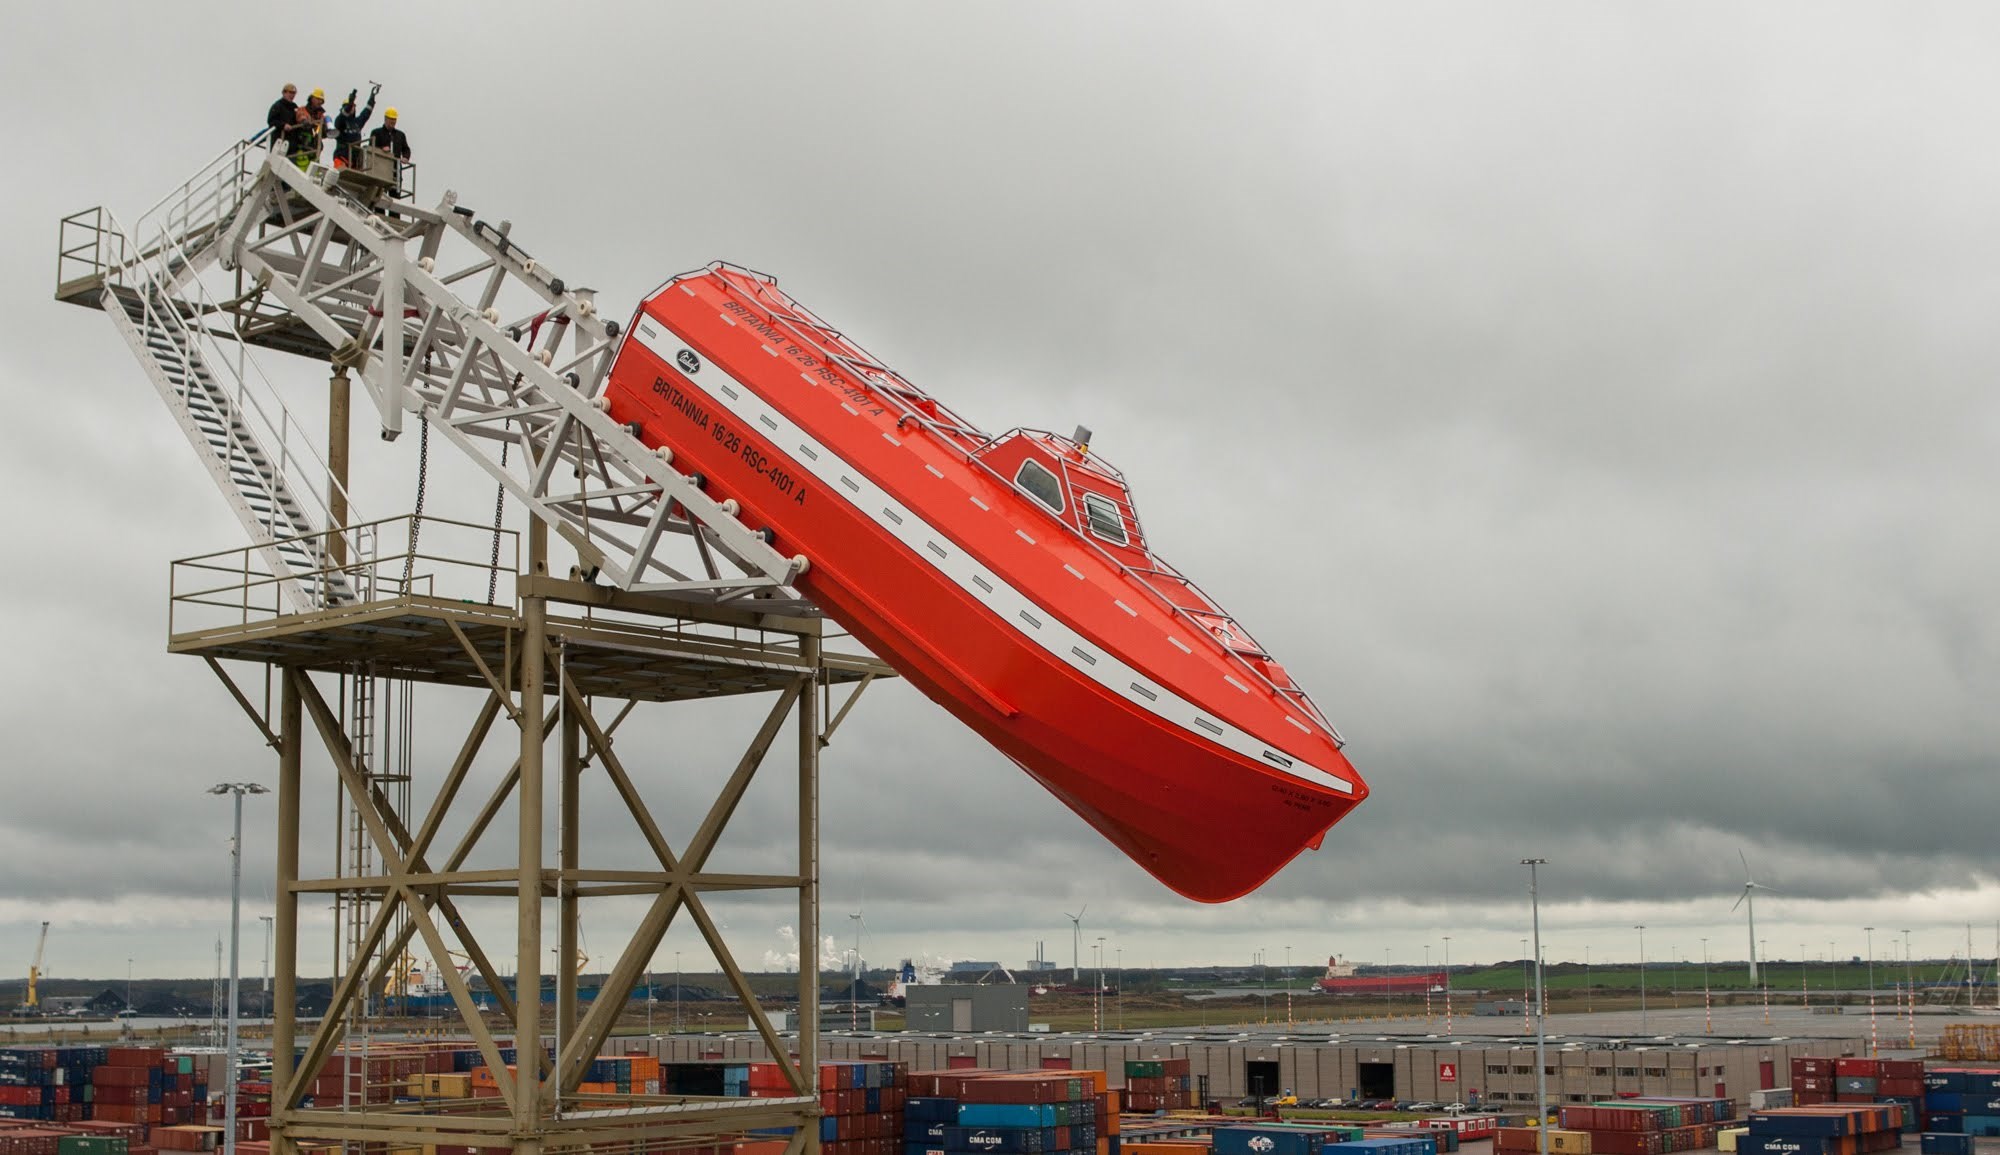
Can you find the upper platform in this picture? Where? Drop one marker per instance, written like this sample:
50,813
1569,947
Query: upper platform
452,621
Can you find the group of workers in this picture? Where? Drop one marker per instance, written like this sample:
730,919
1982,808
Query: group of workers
301,129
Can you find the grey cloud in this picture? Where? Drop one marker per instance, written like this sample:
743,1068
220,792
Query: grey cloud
1588,403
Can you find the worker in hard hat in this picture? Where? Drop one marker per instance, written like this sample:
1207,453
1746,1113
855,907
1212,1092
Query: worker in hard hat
302,143
389,138
347,126
283,115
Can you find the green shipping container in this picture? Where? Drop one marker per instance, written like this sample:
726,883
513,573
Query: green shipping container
89,1145
1144,1068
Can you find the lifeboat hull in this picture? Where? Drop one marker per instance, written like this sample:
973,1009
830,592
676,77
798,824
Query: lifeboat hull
988,607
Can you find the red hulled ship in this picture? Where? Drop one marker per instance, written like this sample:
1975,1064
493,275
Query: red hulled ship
1006,577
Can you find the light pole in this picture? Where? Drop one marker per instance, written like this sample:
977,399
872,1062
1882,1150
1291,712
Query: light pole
1447,995
1833,965
1288,986
267,920
677,992
1641,928
1589,994
1526,994
1120,972
1707,1000
128,984
1872,1028
238,789
1541,1014
854,1000
1910,980
1099,1012
1427,987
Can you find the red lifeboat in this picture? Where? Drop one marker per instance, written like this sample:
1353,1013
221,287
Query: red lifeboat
1008,578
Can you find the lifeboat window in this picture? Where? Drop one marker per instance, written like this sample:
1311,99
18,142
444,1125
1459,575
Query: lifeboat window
1105,520
1040,484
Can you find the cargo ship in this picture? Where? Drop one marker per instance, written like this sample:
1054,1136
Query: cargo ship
1007,577
1345,978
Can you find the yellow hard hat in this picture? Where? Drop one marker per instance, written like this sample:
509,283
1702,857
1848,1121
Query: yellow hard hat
388,114
319,94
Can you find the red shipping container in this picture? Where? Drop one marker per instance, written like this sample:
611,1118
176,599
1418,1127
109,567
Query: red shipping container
29,1141
109,1076
1625,1143
1858,1068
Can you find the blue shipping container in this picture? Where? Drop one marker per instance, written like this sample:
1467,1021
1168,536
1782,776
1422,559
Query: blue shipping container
1944,1101
1267,1141
1946,1122
1411,1146
1829,1126
1006,1115
925,1109
1987,1125
1754,1144
997,1140
1936,1143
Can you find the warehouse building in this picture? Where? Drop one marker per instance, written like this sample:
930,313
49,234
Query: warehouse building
958,1008
1494,1070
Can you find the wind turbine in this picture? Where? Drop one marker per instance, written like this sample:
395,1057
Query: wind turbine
1076,942
1748,901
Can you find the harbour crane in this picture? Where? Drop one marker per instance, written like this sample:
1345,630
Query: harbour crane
33,1003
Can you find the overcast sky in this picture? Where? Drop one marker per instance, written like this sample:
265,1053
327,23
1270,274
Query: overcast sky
1590,403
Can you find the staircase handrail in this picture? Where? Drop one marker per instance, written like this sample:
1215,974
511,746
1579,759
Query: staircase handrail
202,192
236,370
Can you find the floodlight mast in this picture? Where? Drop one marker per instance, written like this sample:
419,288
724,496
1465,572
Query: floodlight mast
1541,1010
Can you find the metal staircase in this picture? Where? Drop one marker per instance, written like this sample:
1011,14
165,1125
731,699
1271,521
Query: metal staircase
146,279
436,312
250,480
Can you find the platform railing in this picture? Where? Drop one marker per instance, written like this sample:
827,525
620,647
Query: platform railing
396,557
151,260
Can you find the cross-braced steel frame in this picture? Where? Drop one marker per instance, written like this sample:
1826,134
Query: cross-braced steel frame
543,673
413,299
442,314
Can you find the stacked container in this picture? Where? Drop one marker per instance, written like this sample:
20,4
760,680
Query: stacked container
1962,1100
621,1075
1287,1139
861,1104
967,1112
1628,1127
1816,1082
1158,1085
1829,1129
47,1083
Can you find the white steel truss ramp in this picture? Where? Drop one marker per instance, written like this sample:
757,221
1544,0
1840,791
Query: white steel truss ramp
440,314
